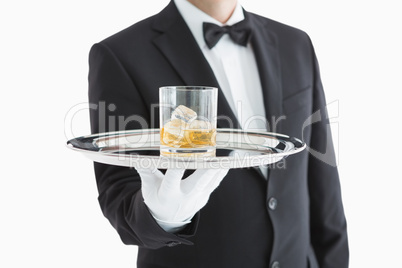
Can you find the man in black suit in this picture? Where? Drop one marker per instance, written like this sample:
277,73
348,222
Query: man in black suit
291,216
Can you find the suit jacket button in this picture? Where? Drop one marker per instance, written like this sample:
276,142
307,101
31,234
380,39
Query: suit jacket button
272,203
275,264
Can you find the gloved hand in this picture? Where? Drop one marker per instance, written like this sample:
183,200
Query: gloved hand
173,201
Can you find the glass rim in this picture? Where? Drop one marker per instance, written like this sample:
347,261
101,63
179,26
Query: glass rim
189,88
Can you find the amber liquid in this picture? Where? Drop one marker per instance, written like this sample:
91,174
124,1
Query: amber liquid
188,141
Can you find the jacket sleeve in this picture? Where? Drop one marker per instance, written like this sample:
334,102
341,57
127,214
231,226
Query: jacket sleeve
327,220
116,104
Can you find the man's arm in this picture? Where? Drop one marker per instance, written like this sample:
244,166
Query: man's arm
120,107
328,223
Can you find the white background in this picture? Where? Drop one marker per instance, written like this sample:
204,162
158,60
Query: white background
48,199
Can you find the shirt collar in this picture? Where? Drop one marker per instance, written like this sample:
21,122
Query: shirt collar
194,18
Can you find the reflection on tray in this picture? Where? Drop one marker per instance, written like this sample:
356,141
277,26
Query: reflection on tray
235,149
220,152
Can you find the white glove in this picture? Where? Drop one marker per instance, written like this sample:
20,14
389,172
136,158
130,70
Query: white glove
173,201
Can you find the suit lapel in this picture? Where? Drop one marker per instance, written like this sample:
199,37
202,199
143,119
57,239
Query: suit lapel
266,53
178,45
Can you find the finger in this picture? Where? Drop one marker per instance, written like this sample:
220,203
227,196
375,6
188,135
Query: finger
150,177
218,178
171,181
196,179
201,178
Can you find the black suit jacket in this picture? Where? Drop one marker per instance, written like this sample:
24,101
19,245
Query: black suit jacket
294,219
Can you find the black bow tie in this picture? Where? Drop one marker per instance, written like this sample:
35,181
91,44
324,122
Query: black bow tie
240,33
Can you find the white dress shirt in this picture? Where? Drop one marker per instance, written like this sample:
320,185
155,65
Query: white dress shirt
234,67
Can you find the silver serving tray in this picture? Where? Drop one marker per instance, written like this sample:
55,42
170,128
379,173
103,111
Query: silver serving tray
140,149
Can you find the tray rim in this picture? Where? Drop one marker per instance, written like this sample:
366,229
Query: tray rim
216,159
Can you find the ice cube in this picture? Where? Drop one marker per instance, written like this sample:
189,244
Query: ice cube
200,124
200,133
184,113
173,132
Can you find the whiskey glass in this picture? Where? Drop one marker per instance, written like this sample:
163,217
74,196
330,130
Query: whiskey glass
188,121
